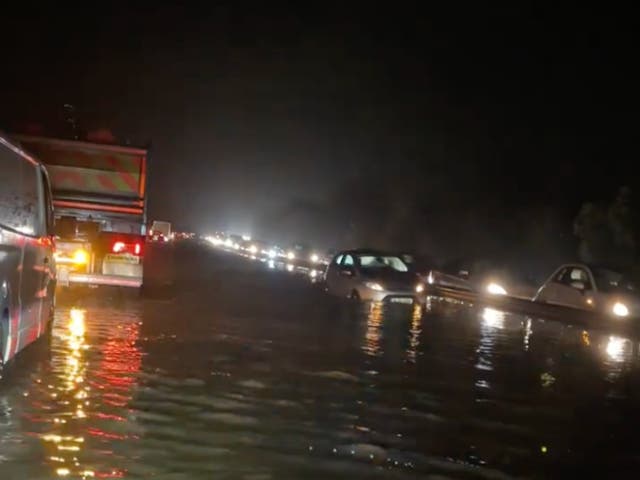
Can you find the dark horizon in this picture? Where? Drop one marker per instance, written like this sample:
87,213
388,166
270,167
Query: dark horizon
271,116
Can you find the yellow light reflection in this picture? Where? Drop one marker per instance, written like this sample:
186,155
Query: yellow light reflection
585,338
373,334
77,324
70,393
414,333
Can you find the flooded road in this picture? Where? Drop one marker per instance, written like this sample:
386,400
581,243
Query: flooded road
245,373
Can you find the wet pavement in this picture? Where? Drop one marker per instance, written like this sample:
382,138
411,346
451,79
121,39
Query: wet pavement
245,373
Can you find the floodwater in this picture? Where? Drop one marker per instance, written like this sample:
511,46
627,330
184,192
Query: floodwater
251,374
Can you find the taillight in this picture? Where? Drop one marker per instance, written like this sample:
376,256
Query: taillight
131,248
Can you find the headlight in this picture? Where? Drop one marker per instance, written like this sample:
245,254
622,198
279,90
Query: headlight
374,286
313,273
419,288
80,257
620,310
314,258
430,278
291,255
271,253
253,249
495,289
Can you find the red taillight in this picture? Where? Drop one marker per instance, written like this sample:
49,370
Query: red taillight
131,248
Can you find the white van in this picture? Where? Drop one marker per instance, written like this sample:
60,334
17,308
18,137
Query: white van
27,265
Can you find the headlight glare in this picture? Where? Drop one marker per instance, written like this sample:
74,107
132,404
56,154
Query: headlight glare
374,286
495,289
620,310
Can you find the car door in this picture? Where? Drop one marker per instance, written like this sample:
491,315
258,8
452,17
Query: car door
36,272
547,292
346,275
573,287
331,277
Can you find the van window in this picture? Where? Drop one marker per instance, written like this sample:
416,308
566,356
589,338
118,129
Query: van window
18,192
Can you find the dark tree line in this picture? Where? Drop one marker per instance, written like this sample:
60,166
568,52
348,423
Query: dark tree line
607,232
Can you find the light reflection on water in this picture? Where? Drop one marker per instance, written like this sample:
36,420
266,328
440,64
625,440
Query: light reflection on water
93,371
395,392
373,335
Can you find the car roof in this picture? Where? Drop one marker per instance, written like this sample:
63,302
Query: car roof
367,251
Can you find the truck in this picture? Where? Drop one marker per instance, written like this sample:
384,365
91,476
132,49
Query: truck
160,231
99,199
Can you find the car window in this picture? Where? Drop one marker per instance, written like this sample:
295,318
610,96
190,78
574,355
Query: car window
348,261
338,259
574,275
382,261
18,192
560,275
611,281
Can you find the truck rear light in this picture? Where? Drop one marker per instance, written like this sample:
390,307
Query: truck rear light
130,248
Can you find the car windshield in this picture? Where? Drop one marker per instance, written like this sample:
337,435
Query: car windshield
611,281
382,261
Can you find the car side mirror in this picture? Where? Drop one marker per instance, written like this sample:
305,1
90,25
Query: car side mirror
578,285
347,271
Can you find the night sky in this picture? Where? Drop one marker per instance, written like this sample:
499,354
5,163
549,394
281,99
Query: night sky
251,109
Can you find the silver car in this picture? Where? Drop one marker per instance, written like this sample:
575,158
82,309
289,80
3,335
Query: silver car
593,288
27,265
369,275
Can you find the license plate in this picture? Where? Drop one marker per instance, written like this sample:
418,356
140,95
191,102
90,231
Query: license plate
131,259
407,301
62,276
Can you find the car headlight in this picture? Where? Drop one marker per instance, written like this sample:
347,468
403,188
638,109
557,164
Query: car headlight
314,258
495,289
419,288
253,249
620,310
430,278
374,286
291,255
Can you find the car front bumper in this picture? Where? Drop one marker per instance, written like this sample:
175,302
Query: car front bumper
387,296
